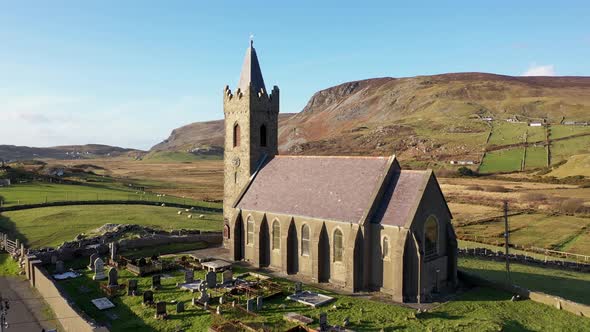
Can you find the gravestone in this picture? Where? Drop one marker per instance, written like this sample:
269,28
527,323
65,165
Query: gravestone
211,279
323,321
113,251
204,298
189,276
54,259
259,302
206,306
233,303
221,299
201,286
227,277
113,277
161,310
132,287
250,304
194,302
93,257
298,287
346,322
98,269
59,267
148,297
179,307
141,262
218,311
156,281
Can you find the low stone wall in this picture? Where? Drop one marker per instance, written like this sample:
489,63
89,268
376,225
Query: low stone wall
522,259
107,202
554,301
69,318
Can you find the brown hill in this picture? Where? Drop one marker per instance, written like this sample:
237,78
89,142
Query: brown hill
425,118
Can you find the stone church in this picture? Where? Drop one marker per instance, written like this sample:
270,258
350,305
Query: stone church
359,223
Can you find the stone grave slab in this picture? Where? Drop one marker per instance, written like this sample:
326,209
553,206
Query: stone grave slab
103,303
66,275
297,318
312,299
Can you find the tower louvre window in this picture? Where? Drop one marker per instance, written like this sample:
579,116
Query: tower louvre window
263,135
236,135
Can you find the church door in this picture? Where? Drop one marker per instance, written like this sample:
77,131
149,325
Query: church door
358,262
264,245
239,239
323,256
292,250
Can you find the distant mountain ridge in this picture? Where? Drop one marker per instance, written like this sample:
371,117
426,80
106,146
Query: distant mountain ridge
13,152
426,118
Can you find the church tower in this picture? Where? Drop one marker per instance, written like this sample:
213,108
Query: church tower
251,130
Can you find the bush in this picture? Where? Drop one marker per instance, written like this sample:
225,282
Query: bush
572,206
496,189
478,188
532,197
466,171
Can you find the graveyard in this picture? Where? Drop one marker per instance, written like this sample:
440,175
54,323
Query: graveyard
188,296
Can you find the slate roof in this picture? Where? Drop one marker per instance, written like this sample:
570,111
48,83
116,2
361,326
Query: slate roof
401,197
331,188
251,73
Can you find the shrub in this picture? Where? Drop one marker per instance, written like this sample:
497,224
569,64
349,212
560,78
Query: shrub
466,171
496,189
532,197
475,187
572,205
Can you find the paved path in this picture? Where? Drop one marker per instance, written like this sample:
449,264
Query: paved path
27,309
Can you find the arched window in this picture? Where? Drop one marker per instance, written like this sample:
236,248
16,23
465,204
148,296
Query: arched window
236,135
263,135
305,240
385,247
226,231
431,237
338,248
276,235
250,231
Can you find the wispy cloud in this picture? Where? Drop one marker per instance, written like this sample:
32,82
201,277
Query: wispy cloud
540,70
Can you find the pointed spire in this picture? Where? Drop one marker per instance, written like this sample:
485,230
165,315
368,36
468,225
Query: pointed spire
251,73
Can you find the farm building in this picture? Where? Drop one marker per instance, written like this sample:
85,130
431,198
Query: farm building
359,223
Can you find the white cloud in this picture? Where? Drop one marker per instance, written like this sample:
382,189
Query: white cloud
540,70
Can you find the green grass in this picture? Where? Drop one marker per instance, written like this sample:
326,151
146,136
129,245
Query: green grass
505,133
502,161
562,150
575,165
170,248
50,226
567,284
536,157
8,267
36,193
559,131
480,309
175,156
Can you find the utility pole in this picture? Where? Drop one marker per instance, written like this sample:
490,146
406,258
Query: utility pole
4,306
506,240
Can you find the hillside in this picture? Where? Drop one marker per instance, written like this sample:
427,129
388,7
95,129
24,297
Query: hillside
12,152
431,119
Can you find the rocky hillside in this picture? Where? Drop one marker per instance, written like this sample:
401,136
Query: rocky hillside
13,152
425,118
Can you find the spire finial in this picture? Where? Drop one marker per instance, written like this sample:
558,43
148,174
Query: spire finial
251,40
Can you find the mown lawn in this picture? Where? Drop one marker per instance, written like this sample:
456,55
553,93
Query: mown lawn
50,226
502,161
480,309
573,286
35,193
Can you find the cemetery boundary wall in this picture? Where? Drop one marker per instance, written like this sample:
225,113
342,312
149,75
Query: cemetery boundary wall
551,300
69,318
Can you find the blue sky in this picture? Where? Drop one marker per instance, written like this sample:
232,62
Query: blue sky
128,72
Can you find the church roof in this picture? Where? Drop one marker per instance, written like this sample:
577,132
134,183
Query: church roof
331,188
251,73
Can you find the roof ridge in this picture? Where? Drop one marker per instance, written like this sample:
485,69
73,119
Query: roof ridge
344,157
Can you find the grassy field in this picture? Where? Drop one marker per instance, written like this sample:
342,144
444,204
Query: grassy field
559,131
175,157
562,150
502,161
50,226
567,284
505,133
480,309
575,165
8,267
39,192
535,230
536,157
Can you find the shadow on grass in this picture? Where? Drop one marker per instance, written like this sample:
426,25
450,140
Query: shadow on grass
9,227
515,326
570,288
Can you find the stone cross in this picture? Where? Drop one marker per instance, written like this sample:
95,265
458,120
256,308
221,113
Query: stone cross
59,267
211,279
93,257
259,302
113,277
189,276
156,281
132,287
98,269
227,277
179,307
161,309
148,297
204,297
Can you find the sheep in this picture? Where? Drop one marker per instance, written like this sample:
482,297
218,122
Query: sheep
190,216
201,216
179,212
